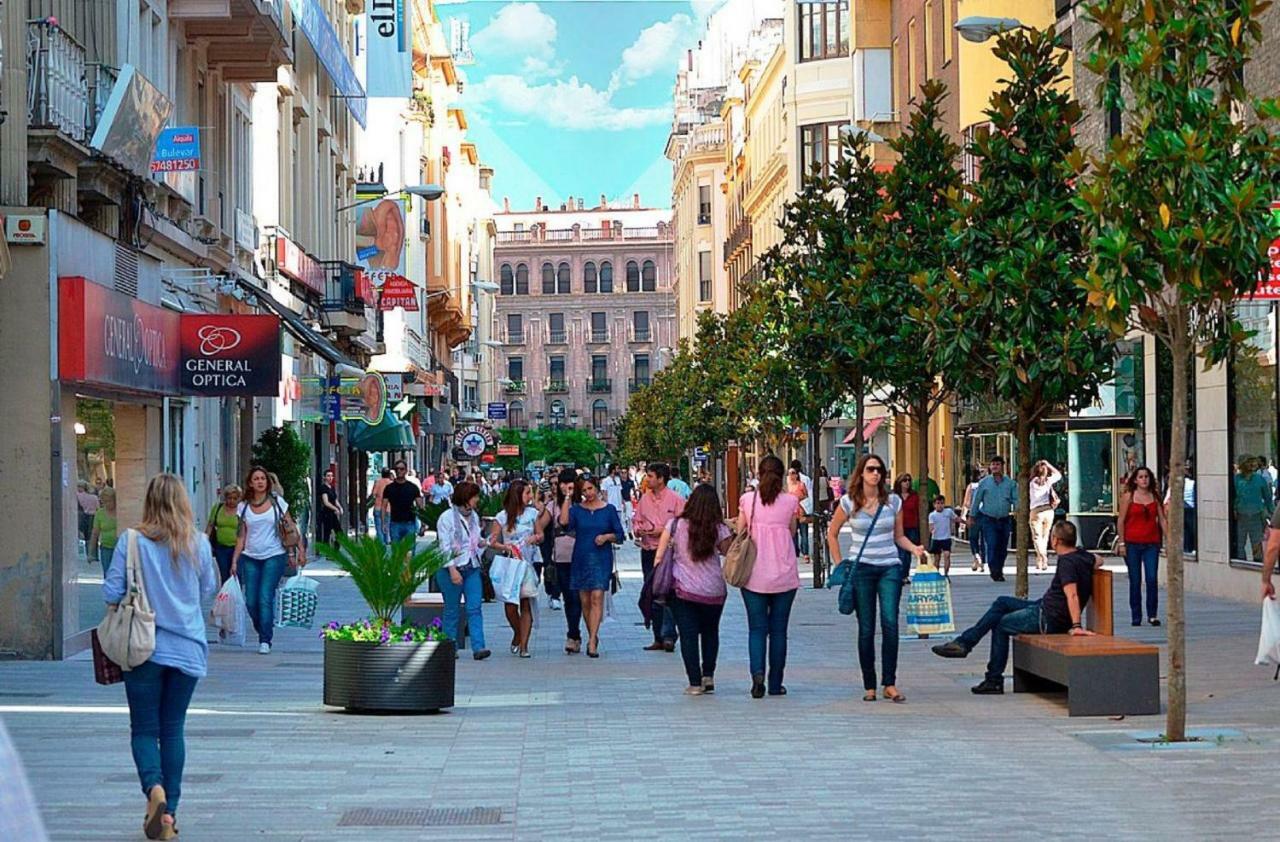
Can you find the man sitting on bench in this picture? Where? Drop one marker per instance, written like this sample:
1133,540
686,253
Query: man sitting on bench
1059,610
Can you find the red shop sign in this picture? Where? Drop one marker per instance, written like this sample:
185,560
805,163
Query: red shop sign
112,339
230,355
398,291
293,262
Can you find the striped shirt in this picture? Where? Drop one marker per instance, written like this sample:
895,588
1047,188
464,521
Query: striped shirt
882,548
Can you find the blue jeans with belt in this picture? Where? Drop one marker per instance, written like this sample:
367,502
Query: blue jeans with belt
158,699
1007,616
473,587
877,584
261,576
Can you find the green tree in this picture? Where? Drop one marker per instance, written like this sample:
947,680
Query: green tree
551,445
1014,324
1176,207
283,452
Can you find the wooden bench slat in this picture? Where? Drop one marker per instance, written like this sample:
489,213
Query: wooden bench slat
1071,645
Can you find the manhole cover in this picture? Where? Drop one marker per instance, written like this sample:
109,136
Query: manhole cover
433,817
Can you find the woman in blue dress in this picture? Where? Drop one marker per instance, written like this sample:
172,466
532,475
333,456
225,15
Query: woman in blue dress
596,527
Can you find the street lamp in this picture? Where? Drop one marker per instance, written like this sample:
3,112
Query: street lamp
428,192
979,28
485,286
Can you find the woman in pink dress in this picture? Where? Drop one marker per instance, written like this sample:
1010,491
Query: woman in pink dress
771,515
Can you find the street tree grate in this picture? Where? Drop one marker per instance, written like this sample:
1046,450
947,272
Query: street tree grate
433,817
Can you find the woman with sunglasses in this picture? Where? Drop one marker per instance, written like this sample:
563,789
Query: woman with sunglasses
875,519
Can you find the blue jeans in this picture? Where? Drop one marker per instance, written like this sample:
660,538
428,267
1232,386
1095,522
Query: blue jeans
995,543
802,538
473,586
911,533
222,555
767,617
400,528
1006,617
158,698
380,525
874,583
1140,559
261,576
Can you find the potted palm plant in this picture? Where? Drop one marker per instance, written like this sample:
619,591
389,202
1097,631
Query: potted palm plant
377,664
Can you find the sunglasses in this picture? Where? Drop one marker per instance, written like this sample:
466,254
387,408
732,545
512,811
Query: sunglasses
875,469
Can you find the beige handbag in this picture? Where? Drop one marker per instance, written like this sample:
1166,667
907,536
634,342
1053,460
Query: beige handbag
128,633
740,559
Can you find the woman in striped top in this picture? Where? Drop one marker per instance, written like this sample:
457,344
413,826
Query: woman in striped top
875,519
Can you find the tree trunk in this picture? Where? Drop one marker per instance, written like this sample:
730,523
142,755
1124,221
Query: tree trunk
815,461
1176,721
859,417
1022,514
922,458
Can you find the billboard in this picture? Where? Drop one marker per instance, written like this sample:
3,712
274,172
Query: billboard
388,62
131,121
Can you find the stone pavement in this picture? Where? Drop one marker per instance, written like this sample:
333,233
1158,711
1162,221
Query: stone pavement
564,747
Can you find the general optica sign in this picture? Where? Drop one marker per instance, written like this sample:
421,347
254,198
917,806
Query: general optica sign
230,355
108,338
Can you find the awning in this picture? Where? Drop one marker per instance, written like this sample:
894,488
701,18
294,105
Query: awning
307,334
868,430
391,434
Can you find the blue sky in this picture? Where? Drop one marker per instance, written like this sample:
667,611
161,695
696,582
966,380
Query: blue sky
571,98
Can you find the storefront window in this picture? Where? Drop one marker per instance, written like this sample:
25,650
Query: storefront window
1253,420
95,430
1089,483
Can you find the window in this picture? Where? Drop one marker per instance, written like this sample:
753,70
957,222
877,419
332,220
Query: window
640,369
548,279
819,148
515,327
704,204
471,397
522,279
518,227
704,276
507,280
606,277
599,368
515,369
928,39
599,327
589,283
633,276
823,30
599,415
555,324
555,369
640,325
1252,419
648,277
562,279
515,415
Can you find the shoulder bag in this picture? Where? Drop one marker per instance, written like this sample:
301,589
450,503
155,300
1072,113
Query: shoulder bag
290,536
127,634
847,600
212,531
664,575
740,559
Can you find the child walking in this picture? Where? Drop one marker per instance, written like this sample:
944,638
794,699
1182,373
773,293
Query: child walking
942,520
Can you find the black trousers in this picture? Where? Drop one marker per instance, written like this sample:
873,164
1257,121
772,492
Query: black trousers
699,626
664,623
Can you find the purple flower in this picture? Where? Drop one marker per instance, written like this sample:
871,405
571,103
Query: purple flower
437,622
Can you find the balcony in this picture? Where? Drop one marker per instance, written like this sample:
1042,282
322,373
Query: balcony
515,387
553,386
514,337
704,219
641,334
515,236
341,304
557,337
598,337
636,384
739,238
246,39
57,101
599,385
577,235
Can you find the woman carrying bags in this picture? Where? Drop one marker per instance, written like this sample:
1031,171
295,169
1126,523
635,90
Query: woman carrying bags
875,517
596,527
260,546
516,532
224,527
697,539
176,571
459,534
771,515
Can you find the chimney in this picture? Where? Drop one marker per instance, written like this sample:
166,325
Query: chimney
579,204
537,204
603,200
635,200
562,206
506,204
569,201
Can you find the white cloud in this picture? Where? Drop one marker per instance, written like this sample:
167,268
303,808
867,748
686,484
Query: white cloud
564,104
518,29
657,49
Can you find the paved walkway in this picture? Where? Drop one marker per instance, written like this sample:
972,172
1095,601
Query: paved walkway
563,747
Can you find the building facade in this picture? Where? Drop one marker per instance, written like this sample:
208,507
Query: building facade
585,313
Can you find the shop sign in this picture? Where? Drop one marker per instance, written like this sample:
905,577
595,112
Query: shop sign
395,386
313,394
358,398
293,262
473,439
398,291
497,411
26,229
364,288
177,150
427,390
112,339
388,65
230,355
508,450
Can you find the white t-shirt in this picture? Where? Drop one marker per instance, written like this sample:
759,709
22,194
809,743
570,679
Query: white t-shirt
612,488
807,503
262,536
940,523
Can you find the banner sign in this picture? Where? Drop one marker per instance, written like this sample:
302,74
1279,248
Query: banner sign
388,59
473,439
359,398
177,150
395,386
310,17
230,355
1268,286
312,400
293,262
508,450
398,291
380,238
497,411
112,339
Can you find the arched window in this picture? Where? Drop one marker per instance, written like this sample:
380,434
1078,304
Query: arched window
589,282
599,415
649,277
606,277
515,415
562,279
548,279
507,280
522,279
633,276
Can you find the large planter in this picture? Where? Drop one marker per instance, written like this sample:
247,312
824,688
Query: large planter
392,676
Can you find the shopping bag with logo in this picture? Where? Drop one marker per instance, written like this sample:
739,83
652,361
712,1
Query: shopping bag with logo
507,574
1269,640
929,602
296,604
230,615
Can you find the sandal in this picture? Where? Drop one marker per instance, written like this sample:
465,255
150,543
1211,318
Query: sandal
895,696
572,647
153,822
869,696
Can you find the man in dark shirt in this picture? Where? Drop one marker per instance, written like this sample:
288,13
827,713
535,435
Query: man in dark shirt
1059,610
399,499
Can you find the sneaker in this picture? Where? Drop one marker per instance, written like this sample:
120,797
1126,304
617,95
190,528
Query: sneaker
264,648
480,654
989,688
951,649
555,604
708,684
693,691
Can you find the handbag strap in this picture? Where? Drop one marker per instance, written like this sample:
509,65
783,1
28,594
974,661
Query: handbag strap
136,593
867,537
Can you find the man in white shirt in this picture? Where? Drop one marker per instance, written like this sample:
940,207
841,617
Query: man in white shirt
611,485
442,490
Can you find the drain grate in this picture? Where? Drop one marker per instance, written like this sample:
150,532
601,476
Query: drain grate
220,732
433,817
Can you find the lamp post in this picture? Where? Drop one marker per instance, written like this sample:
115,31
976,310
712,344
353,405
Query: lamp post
427,192
979,28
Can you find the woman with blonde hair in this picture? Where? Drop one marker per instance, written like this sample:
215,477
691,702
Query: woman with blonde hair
224,527
176,570
258,544
102,539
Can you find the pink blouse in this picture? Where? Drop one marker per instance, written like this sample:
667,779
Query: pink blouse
776,569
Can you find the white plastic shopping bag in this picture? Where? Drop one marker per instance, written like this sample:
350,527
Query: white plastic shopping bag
1269,640
507,575
230,615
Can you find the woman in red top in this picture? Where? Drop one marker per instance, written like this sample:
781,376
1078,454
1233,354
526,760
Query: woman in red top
1141,527
910,521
